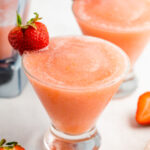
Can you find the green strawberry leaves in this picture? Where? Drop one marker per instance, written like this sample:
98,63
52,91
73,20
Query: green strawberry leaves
31,22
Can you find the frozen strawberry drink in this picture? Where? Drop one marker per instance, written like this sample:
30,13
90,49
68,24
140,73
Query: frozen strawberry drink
123,22
75,78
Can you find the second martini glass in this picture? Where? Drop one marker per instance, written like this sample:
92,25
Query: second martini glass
75,78
123,22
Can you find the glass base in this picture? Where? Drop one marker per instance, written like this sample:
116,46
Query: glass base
128,86
56,140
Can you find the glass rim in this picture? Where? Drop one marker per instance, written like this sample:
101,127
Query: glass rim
94,87
113,28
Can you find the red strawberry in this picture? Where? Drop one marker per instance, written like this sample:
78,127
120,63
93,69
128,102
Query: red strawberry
10,145
143,109
32,36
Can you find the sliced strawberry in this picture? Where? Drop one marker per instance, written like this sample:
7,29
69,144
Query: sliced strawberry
143,109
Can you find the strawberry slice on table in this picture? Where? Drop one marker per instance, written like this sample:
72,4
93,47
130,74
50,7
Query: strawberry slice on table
10,145
143,109
32,36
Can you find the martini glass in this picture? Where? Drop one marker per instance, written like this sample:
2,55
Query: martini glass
75,78
125,23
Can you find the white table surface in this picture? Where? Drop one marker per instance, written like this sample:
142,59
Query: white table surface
24,119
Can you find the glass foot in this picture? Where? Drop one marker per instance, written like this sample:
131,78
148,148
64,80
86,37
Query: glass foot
56,140
128,86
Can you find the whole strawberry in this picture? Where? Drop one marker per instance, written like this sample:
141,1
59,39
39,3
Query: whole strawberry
32,36
10,145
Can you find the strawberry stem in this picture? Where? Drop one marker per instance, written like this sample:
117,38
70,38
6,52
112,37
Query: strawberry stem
2,142
31,22
19,20
12,143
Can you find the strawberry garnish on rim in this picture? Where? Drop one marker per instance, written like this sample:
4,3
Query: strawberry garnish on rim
10,145
32,36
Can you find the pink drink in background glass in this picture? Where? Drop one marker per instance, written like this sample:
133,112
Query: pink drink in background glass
123,22
7,21
75,78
